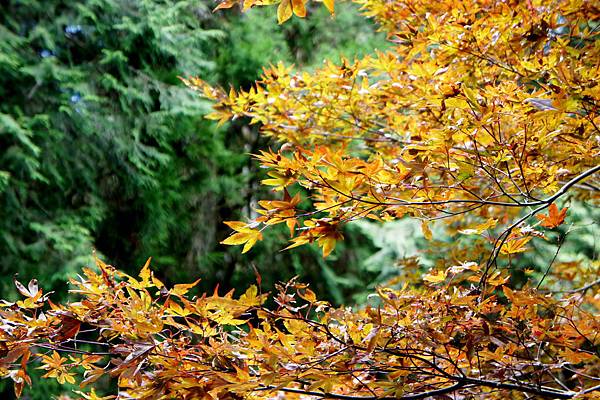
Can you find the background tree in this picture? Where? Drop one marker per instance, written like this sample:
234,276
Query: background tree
102,147
90,102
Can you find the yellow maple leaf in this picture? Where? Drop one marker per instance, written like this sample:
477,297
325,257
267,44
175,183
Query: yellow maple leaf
576,357
284,11
517,245
92,395
244,235
478,229
145,272
182,288
251,297
426,230
330,4
435,276
327,243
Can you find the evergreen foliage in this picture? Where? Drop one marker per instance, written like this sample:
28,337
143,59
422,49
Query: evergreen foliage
103,148
93,122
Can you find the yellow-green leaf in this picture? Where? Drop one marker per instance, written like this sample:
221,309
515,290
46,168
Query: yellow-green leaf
284,11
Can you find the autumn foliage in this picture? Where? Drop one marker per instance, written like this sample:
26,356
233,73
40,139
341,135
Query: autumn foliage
483,121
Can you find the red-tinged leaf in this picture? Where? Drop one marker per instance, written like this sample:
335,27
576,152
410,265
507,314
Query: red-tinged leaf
299,9
104,269
257,275
19,382
25,359
225,4
68,329
18,387
554,217
13,355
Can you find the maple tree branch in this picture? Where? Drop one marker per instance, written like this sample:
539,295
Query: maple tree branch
587,186
591,390
561,241
544,204
583,288
324,395
537,390
73,350
461,382
571,183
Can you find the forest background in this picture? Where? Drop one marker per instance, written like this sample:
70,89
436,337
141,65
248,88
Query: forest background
103,148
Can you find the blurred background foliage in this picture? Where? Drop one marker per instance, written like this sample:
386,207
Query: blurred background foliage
102,148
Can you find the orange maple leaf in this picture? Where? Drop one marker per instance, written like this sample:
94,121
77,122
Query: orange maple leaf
554,217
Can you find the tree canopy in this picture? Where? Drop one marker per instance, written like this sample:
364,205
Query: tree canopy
482,121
